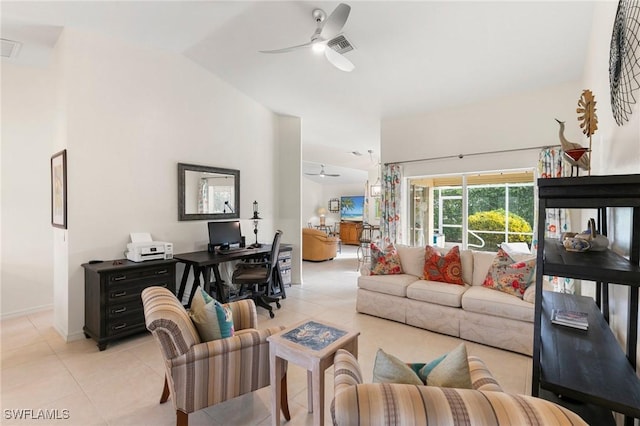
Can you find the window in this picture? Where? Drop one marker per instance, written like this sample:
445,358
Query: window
477,211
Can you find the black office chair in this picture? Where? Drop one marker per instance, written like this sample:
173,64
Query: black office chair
257,279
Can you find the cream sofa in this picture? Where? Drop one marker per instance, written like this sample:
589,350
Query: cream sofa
471,312
384,404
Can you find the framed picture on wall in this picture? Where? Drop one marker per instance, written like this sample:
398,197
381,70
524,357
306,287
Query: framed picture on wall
59,189
334,205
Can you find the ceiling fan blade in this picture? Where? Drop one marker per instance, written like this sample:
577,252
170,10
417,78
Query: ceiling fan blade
331,175
338,60
288,49
333,24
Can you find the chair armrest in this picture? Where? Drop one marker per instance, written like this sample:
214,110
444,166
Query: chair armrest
219,370
244,314
206,350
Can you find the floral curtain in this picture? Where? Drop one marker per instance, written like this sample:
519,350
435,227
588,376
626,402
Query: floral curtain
391,203
203,196
557,221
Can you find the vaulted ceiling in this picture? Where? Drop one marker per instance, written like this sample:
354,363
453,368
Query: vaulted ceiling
409,57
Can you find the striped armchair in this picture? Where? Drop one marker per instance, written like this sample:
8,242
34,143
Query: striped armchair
486,404
201,374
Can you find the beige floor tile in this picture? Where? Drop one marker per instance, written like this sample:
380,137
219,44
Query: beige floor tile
32,372
118,394
26,354
73,410
40,390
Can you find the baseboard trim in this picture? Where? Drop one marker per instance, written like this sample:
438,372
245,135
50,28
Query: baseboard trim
29,311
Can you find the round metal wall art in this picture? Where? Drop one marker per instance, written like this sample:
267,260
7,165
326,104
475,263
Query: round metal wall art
624,59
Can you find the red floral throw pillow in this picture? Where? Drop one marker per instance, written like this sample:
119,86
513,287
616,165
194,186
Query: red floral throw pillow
446,269
385,262
509,276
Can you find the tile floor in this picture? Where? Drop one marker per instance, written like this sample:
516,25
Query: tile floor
122,385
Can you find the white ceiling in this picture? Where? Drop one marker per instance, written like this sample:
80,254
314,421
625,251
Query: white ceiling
410,57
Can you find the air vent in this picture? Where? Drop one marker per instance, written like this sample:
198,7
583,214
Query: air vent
10,48
340,44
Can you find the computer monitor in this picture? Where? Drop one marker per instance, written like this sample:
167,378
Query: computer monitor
224,233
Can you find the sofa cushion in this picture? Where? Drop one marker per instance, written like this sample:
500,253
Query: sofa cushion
412,259
509,276
483,300
444,268
385,262
389,369
437,292
395,285
482,261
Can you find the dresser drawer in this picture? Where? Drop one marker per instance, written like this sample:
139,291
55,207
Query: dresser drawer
132,275
125,325
131,291
120,310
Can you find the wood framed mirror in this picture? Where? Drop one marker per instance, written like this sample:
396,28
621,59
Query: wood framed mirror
208,193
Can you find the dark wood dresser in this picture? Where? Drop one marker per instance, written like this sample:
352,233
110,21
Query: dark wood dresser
112,302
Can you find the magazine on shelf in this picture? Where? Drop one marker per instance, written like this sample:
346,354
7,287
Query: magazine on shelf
570,318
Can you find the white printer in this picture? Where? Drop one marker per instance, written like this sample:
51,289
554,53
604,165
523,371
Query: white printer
142,248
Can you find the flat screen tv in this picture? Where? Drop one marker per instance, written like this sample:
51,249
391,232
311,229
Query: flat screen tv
224,233
352,208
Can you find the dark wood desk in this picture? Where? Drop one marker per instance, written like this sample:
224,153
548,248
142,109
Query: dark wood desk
203,263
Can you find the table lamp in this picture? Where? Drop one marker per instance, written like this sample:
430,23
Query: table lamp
322,212
256,217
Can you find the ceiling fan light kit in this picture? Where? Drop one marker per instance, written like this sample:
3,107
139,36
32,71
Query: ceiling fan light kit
326,38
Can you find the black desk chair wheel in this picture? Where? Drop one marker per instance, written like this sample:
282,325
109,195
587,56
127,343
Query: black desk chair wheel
258,278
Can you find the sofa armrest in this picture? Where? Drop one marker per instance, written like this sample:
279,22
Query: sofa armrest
481,377
399,404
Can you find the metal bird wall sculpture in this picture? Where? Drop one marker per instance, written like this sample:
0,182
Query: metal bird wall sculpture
574,153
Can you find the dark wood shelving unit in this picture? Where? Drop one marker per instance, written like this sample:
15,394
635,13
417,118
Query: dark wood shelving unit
588,371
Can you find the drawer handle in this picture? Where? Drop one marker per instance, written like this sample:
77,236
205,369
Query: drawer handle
164,271
120,278
119,326
119,311
119,294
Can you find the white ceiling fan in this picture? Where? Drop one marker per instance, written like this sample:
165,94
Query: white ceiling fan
322,173
321,40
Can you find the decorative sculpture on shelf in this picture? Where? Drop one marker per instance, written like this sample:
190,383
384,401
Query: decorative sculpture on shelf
587,117
574,153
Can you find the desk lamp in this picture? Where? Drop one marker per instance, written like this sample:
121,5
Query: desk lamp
256,217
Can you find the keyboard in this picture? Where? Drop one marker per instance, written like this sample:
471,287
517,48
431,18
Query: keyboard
231,250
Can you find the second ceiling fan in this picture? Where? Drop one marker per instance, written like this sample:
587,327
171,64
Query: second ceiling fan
327,29
323,173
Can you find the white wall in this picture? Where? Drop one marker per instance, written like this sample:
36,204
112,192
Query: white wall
519,121
288,159
26,268
127,116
